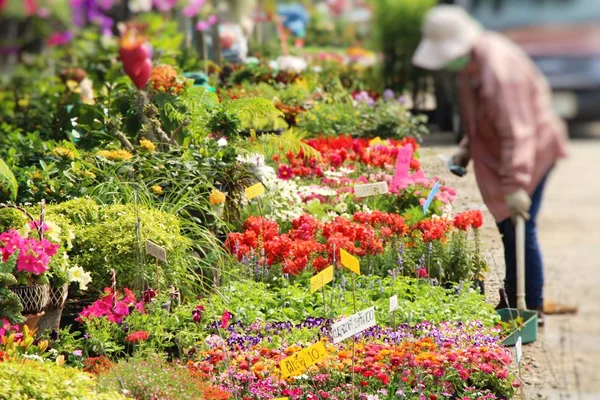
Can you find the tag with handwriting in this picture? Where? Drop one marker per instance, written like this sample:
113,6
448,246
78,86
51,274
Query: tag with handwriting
321,279
349,261
354,324
402,165
156,251
299,362
370,189
393,303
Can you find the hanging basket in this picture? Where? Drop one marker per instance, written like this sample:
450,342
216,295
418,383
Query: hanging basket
33,297
58,297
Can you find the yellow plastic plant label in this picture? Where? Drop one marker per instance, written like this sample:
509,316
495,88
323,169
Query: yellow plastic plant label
349,261
321,279
254,191
299,362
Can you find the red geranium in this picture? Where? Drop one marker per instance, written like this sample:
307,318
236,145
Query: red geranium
137,337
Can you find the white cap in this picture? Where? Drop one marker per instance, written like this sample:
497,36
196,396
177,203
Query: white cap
448,33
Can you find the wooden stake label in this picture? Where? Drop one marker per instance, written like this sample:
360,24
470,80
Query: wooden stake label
354,324
156,251
349,261
321,279
299,362
254,191
371,189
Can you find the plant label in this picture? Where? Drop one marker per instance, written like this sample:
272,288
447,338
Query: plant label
402,165
321,279
371,189
354,324
299,362
349,261
393,303
432,194
160,253
519,349
254,191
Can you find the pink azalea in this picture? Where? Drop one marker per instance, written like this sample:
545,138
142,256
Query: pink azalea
193,8
164,5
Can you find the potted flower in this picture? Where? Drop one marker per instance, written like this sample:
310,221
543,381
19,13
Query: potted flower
28,258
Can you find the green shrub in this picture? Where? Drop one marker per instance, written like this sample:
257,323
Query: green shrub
12,218
42,380
112,243
8,183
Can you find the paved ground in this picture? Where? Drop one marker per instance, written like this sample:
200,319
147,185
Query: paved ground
564,363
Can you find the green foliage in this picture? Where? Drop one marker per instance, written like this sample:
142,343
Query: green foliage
10,305
8,183
45,381
398,29
11,218
152,378
281,301
270,144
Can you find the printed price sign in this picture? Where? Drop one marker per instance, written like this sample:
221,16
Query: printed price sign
299,362
393,303
519,349
254,191
371,189
432,194
349,261
160,253
402,165
352,325
321,279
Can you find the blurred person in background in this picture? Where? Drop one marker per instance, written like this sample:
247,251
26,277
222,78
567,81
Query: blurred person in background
511,132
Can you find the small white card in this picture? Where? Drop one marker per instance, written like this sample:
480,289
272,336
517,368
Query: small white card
519,349
156,251
354,324
371,189
393,303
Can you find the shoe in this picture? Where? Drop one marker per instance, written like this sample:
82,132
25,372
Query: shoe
552,307
512,302
540,311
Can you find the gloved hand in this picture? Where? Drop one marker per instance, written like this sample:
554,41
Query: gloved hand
461,157
518,204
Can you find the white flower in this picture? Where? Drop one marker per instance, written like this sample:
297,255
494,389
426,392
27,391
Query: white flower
137,6
291,63
341,207
79,275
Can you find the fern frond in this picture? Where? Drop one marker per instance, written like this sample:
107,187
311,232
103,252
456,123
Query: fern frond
254,107
270,144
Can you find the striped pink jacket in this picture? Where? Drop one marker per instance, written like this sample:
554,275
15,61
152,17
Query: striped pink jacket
513,135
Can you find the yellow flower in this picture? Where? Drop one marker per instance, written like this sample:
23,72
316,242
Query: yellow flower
216,197
157,189
37,175
63,152
115,155
147,145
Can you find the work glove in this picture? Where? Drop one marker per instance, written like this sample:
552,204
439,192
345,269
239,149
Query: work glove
518,204
461,157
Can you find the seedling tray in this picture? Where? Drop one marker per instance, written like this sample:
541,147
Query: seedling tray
528,331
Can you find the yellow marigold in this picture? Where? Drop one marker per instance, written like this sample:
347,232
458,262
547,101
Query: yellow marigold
63,152
147,145
165,79
157,189
115,155
216,197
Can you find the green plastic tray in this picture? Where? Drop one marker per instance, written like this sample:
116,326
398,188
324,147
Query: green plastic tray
528,331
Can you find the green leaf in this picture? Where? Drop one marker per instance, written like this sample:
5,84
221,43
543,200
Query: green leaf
8,183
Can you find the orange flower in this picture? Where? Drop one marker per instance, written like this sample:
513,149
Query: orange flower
165,79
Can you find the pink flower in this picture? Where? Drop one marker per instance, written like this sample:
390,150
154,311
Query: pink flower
486,368
225,319
422,273
284,172
164,5
502,374
193,8
59,38
464,374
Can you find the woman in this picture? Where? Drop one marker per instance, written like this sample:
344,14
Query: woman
512,135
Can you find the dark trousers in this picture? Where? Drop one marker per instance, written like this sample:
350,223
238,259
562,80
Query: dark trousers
534,268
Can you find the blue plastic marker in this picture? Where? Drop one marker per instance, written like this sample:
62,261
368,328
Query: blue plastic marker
432,194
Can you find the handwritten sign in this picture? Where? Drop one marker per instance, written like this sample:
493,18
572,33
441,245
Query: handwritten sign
349,261
393,303
160,253
299,362
432,194
352,325
254,191
402,166
370,189
519,349
321,279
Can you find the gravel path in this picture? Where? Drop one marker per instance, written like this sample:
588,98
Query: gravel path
564,363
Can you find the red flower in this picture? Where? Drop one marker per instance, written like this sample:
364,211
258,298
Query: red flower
422,273
225,319
137,336
284,172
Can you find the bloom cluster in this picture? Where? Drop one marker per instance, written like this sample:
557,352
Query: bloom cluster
113,306
33,255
